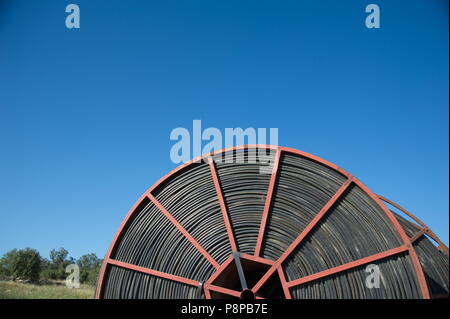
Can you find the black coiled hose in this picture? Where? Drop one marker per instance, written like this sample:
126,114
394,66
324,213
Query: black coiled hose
298,222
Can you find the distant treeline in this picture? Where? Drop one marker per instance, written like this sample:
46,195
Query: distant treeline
28,265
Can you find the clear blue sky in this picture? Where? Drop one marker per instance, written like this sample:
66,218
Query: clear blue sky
85,115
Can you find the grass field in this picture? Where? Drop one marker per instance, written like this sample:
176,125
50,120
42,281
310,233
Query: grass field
16,290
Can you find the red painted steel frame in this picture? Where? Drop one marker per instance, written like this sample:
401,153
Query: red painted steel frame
267,203
423,229
347,266
222,290
303,234
418,235
209,286
412,253
287,292
152,272
275,265
223,208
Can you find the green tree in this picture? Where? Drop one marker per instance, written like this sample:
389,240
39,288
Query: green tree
22,264
6,264
89,268
93,275
48,271
59,261
88,261
59,256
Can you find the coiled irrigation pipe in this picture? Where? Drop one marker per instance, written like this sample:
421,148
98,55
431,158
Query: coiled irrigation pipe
264,221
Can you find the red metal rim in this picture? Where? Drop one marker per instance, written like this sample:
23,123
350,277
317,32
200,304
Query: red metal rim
276,265
422,228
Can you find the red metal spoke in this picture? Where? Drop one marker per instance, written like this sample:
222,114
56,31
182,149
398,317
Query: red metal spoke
182,230
257,259
223,290
268,202
303,234
347,266
418,235
441,246
287,293
152,272
207,293
223,207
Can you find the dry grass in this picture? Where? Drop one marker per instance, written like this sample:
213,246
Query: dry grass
56,290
